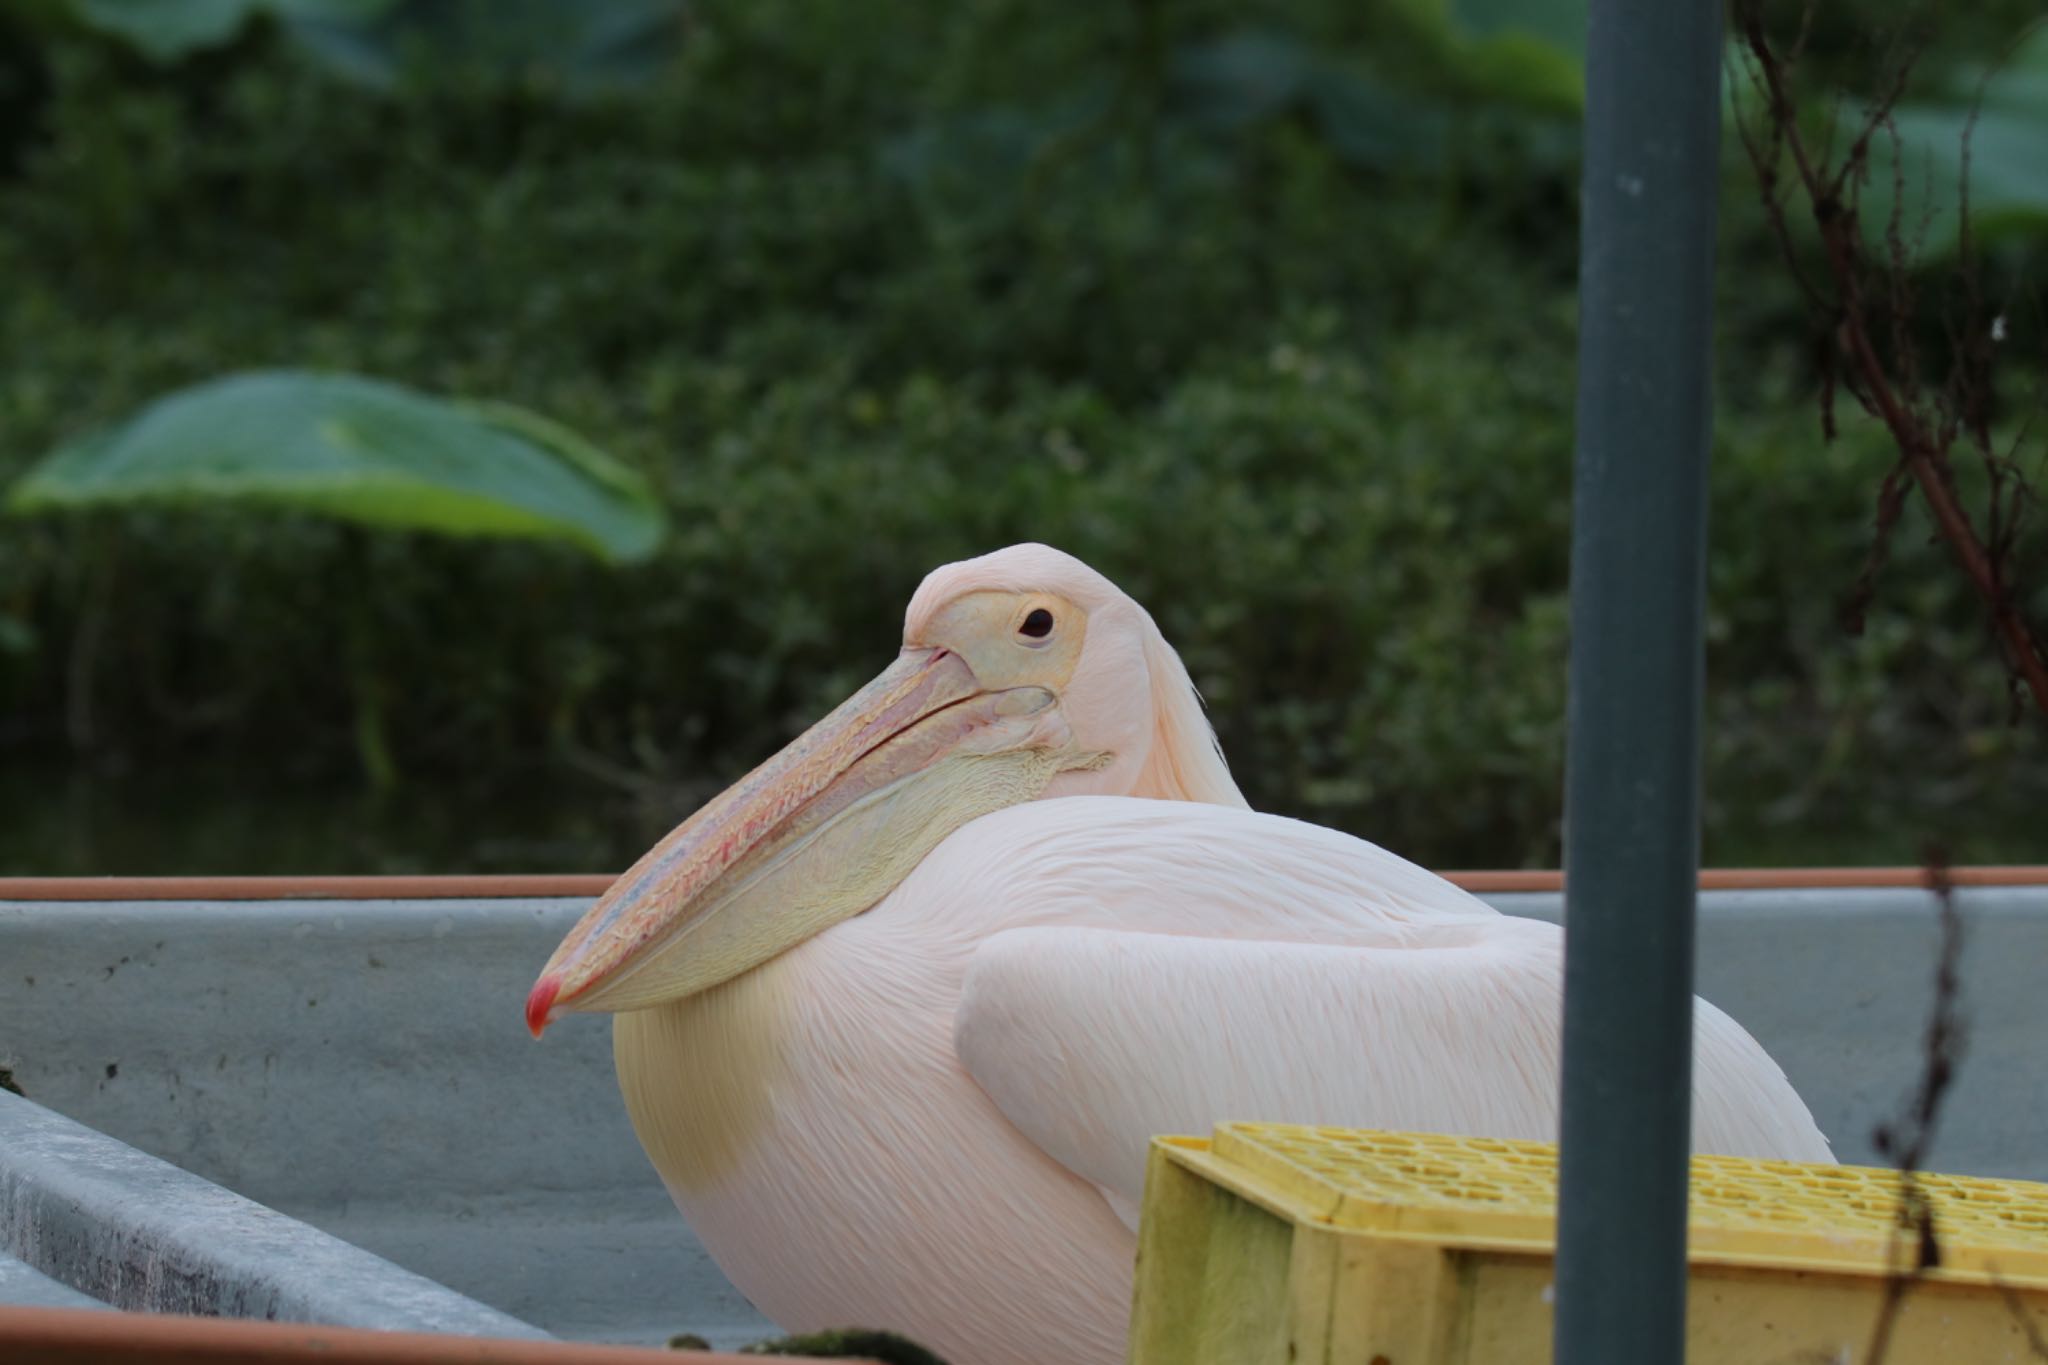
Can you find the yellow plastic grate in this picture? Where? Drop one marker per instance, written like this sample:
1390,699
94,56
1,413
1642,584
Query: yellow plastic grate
1764,1212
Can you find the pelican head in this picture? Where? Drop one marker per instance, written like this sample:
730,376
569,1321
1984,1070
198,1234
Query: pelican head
1023,674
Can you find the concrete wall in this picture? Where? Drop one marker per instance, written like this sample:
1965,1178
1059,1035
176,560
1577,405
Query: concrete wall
23,1286
1838,985
363,1066
140,1233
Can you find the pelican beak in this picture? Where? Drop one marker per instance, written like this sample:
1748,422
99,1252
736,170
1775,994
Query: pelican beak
815,835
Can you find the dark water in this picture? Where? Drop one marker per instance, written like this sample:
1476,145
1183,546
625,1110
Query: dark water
59,821
65,820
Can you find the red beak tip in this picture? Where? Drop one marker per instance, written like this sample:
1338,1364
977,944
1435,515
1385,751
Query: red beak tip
540,1002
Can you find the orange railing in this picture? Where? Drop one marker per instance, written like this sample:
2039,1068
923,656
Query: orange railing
84,1336
591,884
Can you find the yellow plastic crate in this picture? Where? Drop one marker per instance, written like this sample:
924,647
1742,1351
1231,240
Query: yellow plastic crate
1278,1245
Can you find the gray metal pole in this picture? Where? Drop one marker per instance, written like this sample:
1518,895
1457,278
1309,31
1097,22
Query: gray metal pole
1637,581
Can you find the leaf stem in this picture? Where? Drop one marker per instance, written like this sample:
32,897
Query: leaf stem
373,746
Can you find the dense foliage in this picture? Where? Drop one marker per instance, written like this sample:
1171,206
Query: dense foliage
864,288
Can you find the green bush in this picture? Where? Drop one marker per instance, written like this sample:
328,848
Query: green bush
861,290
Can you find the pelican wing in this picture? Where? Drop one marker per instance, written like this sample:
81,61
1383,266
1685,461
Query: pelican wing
1091,1041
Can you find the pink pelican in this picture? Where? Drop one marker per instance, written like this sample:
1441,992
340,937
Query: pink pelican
896,1026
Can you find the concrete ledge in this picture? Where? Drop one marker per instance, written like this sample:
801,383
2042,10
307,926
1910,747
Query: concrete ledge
364,1067
142,1234
23,1286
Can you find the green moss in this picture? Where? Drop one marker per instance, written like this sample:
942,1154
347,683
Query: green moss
842,1344
855,1343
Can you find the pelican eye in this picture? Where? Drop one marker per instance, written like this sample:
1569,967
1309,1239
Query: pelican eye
1037,625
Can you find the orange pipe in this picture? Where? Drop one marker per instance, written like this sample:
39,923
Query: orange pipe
297,888
593,884
84,1336
1759,878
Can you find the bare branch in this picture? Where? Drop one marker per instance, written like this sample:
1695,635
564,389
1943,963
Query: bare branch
2037,1344
1904,1140
1924,430
1891,502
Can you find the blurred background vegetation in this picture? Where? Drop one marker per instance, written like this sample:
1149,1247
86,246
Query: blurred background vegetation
1271,320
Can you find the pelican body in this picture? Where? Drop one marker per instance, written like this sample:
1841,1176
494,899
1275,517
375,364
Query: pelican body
898,1014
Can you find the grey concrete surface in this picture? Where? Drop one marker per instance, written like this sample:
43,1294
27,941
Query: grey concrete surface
363,1066
23,1286
1837,986
139,1233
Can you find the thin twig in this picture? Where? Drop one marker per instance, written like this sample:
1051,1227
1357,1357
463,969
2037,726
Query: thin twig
1890,389
2037,1344
1905,1140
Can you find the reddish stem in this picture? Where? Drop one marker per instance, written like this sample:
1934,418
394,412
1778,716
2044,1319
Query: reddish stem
1925,458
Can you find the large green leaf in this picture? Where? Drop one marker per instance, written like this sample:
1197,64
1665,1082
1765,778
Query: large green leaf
170,30
164,33
1559,25
584,45
360,449
2003,149
1530,52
